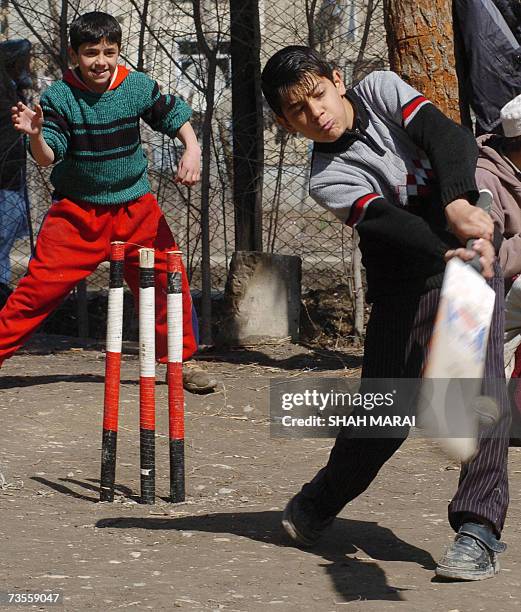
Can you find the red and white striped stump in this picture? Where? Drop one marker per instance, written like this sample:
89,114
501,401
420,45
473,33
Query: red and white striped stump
147,375
112,371
176,418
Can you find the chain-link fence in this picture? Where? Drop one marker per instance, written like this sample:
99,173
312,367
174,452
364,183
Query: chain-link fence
170,39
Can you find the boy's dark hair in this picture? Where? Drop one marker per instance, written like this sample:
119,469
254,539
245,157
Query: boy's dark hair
94,27
292,66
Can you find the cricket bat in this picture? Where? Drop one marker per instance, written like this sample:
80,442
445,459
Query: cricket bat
453,372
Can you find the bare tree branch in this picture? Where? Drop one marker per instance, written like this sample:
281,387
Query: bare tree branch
55,54
311,6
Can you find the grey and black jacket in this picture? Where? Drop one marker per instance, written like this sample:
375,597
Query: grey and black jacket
391,177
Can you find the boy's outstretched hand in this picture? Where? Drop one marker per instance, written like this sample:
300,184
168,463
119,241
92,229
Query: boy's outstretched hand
25,120
189,168
30,122
484,248
466,221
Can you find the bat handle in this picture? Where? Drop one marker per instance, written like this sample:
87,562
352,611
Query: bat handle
485,203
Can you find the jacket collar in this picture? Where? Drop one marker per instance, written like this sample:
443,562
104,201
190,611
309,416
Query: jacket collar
73,77
360,123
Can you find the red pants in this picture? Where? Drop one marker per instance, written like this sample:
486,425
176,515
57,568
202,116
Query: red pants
73,241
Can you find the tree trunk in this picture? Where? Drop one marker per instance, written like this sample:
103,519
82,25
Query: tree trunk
421,49
206,277
4,20
247,112
211,70
141,44
358,68
311,7
64,39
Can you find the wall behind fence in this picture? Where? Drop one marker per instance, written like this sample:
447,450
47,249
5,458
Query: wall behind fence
163,38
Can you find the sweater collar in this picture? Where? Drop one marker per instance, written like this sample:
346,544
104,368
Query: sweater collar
72,77
360,123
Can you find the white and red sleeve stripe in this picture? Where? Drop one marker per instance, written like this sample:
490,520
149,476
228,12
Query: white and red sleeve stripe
359,207
410,110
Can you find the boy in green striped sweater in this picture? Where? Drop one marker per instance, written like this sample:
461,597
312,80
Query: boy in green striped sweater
87,124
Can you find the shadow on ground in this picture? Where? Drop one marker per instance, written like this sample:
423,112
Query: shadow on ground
94,487
268,356
353,578
11,382
284,355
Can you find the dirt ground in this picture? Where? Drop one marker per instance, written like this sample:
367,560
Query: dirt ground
224,548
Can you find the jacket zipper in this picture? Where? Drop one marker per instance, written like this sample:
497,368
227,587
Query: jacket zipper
369,141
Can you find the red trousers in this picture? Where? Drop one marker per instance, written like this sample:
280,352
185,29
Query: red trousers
74,239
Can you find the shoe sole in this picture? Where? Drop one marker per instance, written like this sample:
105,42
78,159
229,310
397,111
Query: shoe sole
291,530
445,572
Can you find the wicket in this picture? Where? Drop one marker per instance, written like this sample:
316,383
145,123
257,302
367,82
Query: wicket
146,374
176,418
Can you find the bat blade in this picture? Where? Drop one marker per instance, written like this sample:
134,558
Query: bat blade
456,361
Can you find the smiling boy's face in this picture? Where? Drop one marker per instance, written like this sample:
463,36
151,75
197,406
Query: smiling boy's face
97,63
317,108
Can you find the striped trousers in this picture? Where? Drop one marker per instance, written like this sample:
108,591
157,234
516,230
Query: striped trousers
396,342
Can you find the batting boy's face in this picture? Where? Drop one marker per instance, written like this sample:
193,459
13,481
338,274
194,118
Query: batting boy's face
97,63
317,109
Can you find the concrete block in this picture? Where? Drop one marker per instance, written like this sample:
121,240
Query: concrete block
261,298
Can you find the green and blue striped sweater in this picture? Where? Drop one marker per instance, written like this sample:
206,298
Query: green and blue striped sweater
96,137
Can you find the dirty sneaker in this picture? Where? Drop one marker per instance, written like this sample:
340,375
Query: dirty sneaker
196,380
472,555
301,522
